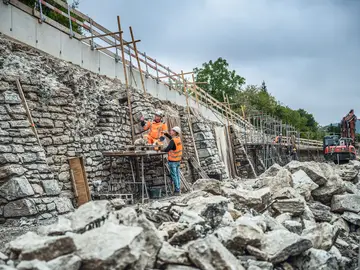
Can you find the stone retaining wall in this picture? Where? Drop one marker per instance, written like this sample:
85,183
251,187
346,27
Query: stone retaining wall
76,113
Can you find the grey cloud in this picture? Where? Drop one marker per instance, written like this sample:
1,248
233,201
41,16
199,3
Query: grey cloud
307,51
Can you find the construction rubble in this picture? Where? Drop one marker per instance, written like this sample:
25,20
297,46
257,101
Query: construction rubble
301,216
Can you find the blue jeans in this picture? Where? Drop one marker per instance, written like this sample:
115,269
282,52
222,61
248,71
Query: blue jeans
175,174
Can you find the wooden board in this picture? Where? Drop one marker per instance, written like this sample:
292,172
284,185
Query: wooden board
79,179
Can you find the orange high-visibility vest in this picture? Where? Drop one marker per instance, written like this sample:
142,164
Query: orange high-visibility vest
156,129
175,155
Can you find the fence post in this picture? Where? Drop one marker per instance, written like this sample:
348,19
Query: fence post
157,72
71,34
42,19
146,66
92,44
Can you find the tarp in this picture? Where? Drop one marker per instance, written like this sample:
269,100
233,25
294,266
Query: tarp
222,145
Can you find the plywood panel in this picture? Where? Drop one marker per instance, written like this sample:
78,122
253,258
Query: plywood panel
80,183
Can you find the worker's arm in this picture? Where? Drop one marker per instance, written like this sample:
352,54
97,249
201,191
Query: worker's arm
145,125
171,146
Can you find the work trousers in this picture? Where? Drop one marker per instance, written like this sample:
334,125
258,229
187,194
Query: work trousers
175,174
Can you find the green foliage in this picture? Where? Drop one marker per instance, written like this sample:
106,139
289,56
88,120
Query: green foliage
254,98
219,78
56,16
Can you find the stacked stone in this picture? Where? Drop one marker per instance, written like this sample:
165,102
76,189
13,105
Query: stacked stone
208,153
27,185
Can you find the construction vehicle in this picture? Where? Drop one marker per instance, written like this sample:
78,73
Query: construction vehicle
341,150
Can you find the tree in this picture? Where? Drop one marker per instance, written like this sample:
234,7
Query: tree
56,16
219,79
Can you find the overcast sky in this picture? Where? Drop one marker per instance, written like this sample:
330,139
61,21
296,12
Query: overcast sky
307,51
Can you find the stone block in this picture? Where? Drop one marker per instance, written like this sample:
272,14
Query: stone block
20,208
63,205
11,170
16,188
51,187
11,97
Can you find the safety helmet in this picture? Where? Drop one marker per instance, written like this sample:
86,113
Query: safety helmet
159,113
176,129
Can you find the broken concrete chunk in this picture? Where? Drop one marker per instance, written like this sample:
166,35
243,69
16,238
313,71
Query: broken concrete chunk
277,246
316,259
321,212
171,255
89,215
172,227
210,254
212,209
31,246
62,226
282,179
32,265
351,218
333,186
303,184
16,188
346,202
110,244
293,206
322,235
241,199
212,186
187,235
68,262
348,172
180,267
312,169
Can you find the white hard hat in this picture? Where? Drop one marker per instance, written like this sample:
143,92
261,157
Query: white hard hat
159,113
176,129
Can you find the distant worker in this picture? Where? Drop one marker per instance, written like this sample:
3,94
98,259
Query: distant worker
174,150
157,128
278,138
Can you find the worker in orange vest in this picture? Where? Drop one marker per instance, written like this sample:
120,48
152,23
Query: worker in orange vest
157,128
174,150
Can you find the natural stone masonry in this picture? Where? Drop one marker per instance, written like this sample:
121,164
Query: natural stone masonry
76,113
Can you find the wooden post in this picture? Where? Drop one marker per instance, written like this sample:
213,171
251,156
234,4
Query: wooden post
126,81
23,99
233,170
189,121
195,90
122,52
137,59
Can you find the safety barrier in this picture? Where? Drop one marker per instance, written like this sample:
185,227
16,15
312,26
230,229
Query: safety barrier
148,65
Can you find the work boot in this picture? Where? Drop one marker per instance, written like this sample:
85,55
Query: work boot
176,193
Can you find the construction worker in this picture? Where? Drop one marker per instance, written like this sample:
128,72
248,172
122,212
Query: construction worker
157,128
174,150
278,138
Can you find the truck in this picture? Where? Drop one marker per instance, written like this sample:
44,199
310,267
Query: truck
342,149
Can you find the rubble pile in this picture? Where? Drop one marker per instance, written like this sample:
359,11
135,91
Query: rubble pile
301,216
